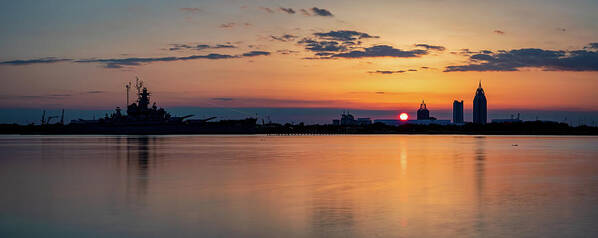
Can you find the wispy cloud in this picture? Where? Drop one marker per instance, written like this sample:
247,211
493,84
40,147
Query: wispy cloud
267,9
431,47
321,12
287,10
314,11
391,71
499,32
177,47
287,52
255,53
284,38
47,60
387,72
468,52
117,63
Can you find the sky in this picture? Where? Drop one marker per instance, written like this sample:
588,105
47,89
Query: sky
530,56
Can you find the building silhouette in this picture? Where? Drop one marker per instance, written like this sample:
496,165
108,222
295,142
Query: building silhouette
422,112
480,111
347,119
458,111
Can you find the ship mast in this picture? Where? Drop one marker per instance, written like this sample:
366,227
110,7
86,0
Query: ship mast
138,85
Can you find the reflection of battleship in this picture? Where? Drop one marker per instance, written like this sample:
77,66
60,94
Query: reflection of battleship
143,119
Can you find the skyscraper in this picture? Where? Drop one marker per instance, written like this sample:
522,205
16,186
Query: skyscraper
480,111
422,112
458,111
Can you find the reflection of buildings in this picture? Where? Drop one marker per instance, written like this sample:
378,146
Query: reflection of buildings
458,112
480,113
480,169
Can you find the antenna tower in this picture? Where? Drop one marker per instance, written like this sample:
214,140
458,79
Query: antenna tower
128,87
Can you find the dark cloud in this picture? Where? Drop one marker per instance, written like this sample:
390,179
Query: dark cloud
324,54
412,70
327,43
467,52
117,63
256,53
284,38
321,12
425,67
287,10
387,72
176,47
380,92
499,32
381,51
561,29
431,47
343,35
318,46
192,10
48,60
513,60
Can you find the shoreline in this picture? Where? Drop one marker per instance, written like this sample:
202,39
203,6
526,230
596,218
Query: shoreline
523,128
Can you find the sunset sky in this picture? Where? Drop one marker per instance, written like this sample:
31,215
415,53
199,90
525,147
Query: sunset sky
370,55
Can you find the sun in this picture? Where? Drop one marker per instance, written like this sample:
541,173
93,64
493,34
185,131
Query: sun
403,116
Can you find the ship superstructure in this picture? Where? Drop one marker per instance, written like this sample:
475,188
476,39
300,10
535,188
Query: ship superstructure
141,118
138,112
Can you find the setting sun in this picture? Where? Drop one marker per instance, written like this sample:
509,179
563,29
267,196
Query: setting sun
403,116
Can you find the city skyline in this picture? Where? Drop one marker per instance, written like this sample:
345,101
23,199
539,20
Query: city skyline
533,56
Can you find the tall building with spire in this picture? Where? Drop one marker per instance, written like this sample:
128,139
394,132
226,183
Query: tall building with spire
458,111
422,112
480,110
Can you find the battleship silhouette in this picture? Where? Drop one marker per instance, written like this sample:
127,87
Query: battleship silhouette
140,118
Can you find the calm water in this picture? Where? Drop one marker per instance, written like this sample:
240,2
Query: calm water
298,186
